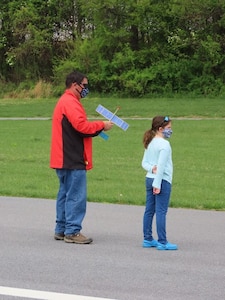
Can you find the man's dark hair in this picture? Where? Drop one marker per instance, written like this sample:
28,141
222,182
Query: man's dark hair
74,76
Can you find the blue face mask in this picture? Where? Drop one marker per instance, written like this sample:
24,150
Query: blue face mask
84,92
167,133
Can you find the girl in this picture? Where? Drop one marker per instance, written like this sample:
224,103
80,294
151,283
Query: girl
157,161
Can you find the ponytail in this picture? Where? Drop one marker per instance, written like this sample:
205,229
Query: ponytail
148,136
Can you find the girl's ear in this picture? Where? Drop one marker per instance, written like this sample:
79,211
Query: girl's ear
160,129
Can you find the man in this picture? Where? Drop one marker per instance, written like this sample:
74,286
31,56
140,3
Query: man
71,157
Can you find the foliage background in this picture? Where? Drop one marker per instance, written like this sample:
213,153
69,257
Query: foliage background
132,48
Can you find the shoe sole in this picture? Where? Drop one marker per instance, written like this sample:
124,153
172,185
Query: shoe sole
167,249
149,246
89,241
57,238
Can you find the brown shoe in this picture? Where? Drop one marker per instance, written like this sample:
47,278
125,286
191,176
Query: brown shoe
59,236
77,238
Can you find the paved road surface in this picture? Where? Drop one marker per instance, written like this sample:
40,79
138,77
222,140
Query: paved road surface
115,266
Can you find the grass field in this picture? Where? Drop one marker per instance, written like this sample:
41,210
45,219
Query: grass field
198,151
145,108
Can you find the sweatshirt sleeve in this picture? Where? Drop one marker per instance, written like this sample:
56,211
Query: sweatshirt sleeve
78,119
146,165
164,154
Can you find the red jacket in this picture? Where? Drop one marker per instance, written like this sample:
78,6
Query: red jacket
71,146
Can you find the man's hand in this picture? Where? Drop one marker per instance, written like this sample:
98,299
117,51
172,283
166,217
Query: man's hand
107,125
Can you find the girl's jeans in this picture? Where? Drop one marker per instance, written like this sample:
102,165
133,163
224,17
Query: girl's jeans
156,204
71,201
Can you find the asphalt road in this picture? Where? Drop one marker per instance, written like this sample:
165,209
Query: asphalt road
115,266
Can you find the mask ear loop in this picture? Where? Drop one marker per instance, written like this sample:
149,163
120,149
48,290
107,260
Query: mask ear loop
75,83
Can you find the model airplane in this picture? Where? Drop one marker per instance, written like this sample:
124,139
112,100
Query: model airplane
111,117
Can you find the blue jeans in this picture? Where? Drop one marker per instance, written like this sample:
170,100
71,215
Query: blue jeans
71,201
156,204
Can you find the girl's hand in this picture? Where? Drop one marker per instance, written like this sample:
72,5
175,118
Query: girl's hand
154,170
156,191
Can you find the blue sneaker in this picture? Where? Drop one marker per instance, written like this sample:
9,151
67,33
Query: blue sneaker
167,246
149,244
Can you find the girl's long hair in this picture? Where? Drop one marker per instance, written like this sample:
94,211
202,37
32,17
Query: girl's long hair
158,121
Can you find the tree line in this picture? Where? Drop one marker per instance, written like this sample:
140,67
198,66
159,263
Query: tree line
134,48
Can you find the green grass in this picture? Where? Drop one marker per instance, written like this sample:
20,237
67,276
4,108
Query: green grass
198,165
26,107
146,108
198,152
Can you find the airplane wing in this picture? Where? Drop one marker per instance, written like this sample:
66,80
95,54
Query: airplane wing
112,117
